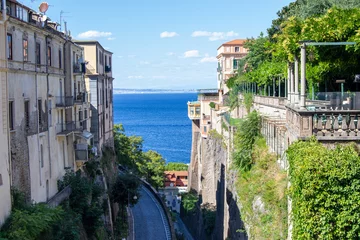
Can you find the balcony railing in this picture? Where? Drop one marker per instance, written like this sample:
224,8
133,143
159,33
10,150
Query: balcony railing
326,125
69,127
80,98
81,152
79,68
63,101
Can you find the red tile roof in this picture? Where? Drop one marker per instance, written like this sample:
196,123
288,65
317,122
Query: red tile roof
234,42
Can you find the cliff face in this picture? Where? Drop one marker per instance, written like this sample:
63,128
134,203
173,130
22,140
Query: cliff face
217,196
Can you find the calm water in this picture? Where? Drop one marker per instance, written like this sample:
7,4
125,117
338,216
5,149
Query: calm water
161,119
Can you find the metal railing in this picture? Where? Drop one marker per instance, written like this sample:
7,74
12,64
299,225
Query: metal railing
68,127
62,101
80,98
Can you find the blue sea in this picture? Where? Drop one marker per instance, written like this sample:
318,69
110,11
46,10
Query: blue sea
160,119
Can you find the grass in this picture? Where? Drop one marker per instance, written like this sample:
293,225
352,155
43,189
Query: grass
265,181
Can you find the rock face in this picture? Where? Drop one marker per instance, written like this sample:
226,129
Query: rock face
209,177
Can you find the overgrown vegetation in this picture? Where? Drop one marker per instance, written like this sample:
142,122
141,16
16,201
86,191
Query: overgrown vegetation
209,218
325,191
261,184
248,101
212,105
247,132
262,195
174,166
189,201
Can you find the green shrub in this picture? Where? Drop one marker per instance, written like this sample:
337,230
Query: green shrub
189,201
325,191
247,132
212,105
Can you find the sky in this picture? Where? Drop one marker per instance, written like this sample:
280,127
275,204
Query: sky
162,44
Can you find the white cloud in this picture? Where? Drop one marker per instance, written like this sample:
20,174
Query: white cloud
191,54
168,34
171,54
135,77
131,56
208,59
144,63
214,36
111,38
94,34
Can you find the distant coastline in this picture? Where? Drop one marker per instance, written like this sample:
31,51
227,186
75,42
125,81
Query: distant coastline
151,91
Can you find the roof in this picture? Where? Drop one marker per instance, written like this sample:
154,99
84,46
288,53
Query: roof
91,42
234,42
177,173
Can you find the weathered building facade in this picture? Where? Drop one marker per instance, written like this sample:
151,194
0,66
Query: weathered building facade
5,167
99,81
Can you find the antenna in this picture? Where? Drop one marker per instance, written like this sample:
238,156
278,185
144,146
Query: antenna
61,18
44,6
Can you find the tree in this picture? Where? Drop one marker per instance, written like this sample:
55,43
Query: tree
125,188
128,149
153,168
173,166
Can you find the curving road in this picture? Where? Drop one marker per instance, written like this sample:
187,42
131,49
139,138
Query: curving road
149,219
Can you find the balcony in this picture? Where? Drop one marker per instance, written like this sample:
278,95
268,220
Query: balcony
81,152
79,68
80,98
194,110
63,101
107,69
64,129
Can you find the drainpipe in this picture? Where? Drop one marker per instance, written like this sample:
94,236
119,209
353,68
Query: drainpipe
37,108
47,101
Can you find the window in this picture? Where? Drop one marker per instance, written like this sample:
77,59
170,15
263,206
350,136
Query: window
41,156
105,60
50,114
109,61
38,56
9,42
21,13
237,49
235,64
60,59
27,113
205,129
40,111
11,115
25,50
49,56
1,181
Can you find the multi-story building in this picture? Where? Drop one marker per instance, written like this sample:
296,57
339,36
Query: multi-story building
228,55
99,81
76,105
5,168
49,111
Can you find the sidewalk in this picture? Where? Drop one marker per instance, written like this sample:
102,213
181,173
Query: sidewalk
131,229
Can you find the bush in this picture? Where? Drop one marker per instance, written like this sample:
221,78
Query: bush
212,105
325,191
247,132
189,201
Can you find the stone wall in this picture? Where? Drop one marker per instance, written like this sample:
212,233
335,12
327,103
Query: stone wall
208,178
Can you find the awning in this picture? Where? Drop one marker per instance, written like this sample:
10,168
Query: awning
86,135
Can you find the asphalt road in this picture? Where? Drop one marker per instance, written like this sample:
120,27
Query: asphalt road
149,219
